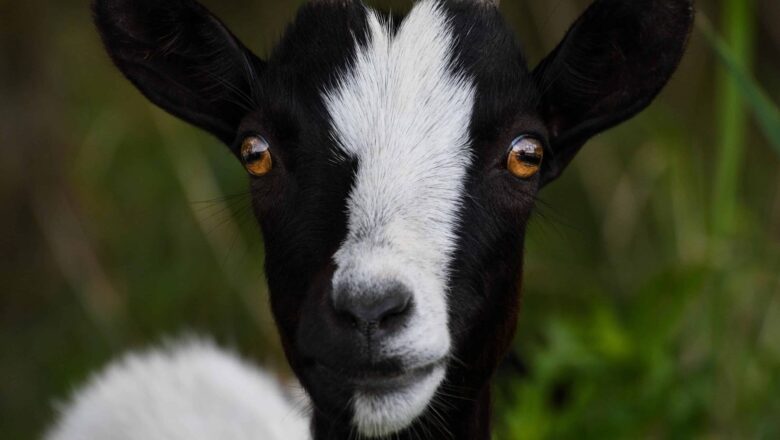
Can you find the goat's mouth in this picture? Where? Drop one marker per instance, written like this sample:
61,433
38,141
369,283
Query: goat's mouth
384,398
382,379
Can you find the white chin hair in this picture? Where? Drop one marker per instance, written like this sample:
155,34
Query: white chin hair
380,415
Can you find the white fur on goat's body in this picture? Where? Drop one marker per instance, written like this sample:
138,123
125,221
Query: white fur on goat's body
190,391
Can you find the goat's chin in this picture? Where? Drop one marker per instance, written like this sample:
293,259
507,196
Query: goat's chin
382,413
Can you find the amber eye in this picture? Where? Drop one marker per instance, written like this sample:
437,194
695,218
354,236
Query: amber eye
525,157
256,154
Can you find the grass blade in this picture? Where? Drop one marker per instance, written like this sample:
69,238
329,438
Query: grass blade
765,110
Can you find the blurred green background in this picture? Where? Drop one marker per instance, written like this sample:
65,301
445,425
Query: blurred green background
652,295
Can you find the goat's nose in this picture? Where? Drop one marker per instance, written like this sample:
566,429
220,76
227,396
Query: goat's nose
377,310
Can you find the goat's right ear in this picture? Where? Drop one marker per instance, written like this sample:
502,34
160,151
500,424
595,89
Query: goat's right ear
182,58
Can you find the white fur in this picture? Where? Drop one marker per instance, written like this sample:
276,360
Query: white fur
187,392
382,415
403,113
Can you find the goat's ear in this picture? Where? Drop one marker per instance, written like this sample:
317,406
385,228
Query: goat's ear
182,58
612,63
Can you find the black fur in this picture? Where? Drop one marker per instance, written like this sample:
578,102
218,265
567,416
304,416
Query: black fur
612,63
183,59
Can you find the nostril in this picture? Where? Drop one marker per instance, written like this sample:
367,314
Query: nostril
375,308
395,308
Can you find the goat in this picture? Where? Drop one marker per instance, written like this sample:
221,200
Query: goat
394,164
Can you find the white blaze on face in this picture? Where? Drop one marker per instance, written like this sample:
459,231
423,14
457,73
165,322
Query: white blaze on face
402,112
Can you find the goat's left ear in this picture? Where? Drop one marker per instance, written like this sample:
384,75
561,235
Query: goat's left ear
612,63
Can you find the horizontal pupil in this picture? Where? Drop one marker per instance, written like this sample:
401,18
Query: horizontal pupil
254,157
531,159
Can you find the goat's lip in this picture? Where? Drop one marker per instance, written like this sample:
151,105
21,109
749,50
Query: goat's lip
378,381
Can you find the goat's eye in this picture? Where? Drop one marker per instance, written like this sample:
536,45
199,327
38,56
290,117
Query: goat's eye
256,154
525,157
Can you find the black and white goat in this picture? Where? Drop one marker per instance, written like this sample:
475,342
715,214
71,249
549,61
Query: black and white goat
394,164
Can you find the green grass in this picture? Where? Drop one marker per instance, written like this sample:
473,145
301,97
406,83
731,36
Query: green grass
731,116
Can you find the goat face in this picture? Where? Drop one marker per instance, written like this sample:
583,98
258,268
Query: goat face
394,165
